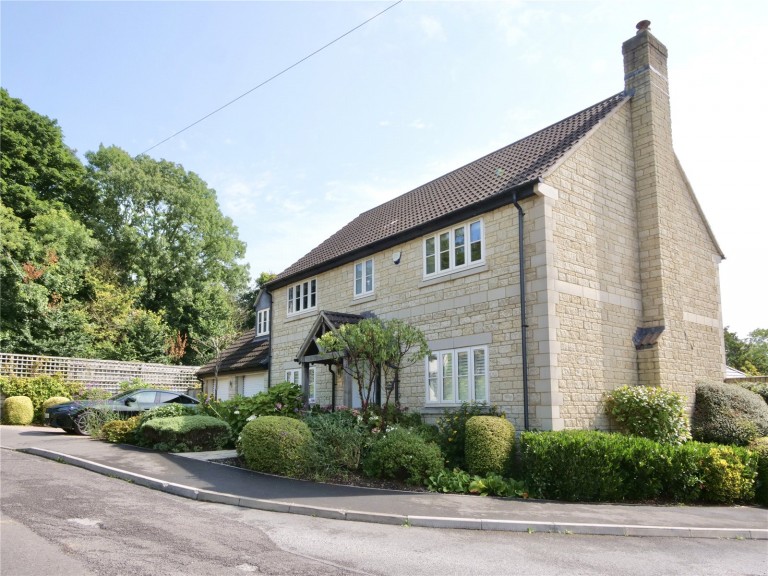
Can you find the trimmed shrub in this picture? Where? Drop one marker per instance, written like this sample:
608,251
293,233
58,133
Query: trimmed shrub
39,389
729,475
338,442
18,411
451,430
404,456
590,466
760,388
728,414
168,410
759,447
650,412
54,401
489,445
276,445
196,433
121,431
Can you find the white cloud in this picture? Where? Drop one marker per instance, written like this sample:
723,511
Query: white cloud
432,28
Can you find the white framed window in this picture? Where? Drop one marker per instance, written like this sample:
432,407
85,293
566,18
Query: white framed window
294,377
455,248
302,296
364,278
456,376
262,322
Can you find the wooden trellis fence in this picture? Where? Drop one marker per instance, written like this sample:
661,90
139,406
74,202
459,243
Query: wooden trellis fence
106,374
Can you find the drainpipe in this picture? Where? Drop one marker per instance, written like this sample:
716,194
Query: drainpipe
333,387
523,323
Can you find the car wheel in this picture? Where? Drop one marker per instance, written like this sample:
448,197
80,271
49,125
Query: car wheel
81,424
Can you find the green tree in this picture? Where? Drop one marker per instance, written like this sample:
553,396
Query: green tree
37,169
749,355
375,347
161,228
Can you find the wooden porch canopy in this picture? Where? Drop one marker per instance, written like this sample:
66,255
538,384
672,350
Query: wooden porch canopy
310,354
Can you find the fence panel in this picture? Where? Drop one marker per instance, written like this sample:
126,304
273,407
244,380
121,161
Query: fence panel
106,374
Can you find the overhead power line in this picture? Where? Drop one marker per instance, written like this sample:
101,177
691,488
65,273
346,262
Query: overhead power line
268,80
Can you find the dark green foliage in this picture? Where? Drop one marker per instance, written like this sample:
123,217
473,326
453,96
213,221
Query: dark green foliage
276,445
339,440
121,431
457,481
760,388
650,412
588,466
282,399
196,433
168,410
489,445
18,411
39,389
451,430
759,447
728,414
404,456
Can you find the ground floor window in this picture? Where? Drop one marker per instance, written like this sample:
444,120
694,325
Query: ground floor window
294,377
456,376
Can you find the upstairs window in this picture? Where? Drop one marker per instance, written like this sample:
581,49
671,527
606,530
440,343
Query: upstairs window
262,322
454,249
302,296
364,278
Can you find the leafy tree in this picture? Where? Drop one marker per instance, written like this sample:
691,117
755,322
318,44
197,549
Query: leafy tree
372,347
163,232
749,355
36,168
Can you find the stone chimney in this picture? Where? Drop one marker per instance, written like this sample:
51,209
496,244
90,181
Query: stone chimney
645,80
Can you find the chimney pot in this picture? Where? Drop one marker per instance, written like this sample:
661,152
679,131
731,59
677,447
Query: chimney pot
643,25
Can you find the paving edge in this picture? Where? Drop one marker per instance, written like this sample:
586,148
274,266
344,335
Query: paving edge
401,520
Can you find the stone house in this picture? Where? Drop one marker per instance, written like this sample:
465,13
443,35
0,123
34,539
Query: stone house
544,274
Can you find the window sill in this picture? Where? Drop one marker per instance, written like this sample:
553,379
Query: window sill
357,300
476,269
301,315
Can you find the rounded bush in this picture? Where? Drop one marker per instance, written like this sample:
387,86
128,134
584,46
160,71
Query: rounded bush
275,445
650,412
728,414
193,433
488,445
405,456
18,411
54,401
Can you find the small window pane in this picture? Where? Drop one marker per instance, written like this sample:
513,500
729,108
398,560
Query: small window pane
476,246
369,276
432,378
358,278
458,246
462,368
445,251
429,255
447,361
480,375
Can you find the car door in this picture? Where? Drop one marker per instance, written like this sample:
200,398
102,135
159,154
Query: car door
141,401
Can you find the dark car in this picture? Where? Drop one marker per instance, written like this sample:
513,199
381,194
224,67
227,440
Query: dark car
71,416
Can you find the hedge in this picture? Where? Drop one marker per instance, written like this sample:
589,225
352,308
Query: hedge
195,433
590,466
728,414
489,445
276,445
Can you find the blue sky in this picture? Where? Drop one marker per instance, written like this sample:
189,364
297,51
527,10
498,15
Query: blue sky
415,93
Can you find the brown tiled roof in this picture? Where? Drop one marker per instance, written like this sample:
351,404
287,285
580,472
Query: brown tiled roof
518,164
244,354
